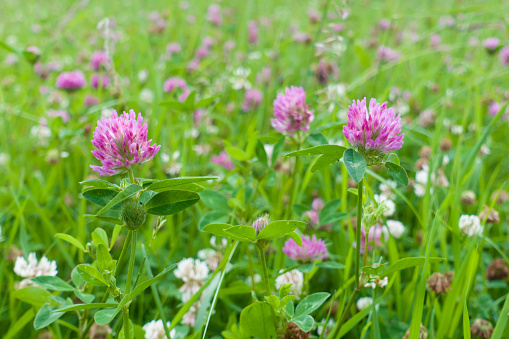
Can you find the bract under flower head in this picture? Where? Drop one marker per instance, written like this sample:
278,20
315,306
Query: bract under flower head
121,143
375,132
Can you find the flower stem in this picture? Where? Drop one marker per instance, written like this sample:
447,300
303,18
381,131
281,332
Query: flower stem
344,314
125,316
358,233
264,269
131,176
121,258
365,250
131,263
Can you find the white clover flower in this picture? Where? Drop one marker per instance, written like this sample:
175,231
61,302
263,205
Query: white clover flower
256,277
34,268
239,79
220,246
456,129
294,277
147,95
396,228
4,159
211,257
377,282
155,330
470,225
190,317
203,149
41,132
421,180
364,302
386,188
390,206
143,75
192,272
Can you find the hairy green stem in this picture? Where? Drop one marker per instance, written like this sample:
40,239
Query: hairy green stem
364,261
131,176
358,233
125,311
263,263
131,263
125,316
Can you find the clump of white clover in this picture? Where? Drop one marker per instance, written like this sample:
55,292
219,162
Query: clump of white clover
155,330
34,268
470,225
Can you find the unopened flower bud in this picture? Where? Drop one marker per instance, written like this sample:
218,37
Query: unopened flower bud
372,213
260,223
497,270
133,214
91,249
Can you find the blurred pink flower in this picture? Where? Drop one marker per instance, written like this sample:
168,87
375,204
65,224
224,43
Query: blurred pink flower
373,132
317,204
503,55
312,249
435,40
59,113
173,48
494,108
252,99
96,79
263,77
71,80
223,159
253,32
98,59
193,65
90,100
314,16
375,234
175,82
387,54
121,143
491,43
214,14
291,112
384,24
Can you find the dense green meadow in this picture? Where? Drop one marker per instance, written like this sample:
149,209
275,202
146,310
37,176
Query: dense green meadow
226,230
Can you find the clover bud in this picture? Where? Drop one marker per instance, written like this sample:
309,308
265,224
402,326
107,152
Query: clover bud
372,214
133,214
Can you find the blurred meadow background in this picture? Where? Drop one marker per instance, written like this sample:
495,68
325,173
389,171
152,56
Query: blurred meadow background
204,75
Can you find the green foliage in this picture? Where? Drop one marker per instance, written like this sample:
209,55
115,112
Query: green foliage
355,164
273,230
